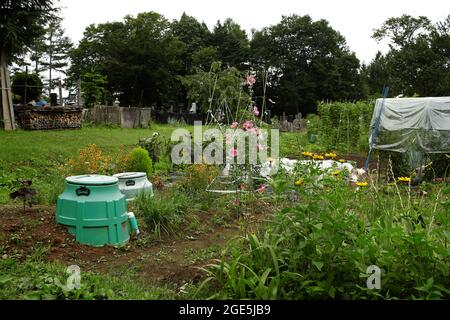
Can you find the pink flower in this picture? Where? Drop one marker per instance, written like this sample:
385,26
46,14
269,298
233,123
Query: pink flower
236,202
255,111
261,188
260,147
250,80
247,125
234,125
233,152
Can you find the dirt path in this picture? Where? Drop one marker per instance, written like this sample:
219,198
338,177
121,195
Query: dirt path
173,259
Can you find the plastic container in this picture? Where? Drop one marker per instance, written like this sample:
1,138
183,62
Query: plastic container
133,183
94,210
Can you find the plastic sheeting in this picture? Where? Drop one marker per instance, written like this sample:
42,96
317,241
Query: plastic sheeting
412,125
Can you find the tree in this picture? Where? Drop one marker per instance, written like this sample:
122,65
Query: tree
50,52
417,63
57,47
93,88
27,86
20,24
403,31
204,58
140,56
37,54
194,35
232,43
376,75
306,61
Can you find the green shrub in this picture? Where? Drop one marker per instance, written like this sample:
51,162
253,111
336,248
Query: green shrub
140,161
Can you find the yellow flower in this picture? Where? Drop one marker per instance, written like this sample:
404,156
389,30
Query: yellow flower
307,154
331,155
342,160
318,157
335,173
299,182
447,156
362,184
404,179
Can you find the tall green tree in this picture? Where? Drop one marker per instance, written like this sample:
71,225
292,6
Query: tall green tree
93,88
140,56
417,62
26,87
232,43
50,52
376,75
57,47
203,58
194,35
307,61
20,24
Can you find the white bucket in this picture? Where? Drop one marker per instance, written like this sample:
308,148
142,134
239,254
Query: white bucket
133,183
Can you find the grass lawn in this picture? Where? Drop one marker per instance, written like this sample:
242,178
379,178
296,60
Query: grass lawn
37,155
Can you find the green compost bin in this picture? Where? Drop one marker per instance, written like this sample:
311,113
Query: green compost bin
94,210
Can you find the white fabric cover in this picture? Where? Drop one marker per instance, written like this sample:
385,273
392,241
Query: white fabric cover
413,124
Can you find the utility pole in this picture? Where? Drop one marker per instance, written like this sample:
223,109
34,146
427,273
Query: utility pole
50,63
79,92
8,111
60,92
26,86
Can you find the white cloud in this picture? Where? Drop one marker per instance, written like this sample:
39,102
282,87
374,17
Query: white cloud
354,19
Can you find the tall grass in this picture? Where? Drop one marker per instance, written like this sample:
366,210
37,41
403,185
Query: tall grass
163,213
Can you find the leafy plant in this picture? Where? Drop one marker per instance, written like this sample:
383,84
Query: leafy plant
140,161
320,247
156,146
92,160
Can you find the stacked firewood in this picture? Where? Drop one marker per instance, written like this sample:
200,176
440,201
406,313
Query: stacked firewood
50,118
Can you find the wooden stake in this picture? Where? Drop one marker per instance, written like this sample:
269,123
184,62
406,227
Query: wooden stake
8,111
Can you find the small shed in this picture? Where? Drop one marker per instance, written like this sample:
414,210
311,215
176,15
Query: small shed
413,125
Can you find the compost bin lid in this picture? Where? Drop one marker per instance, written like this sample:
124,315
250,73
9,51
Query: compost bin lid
92,180
130,175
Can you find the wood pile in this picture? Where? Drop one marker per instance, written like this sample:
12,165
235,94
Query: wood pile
49,118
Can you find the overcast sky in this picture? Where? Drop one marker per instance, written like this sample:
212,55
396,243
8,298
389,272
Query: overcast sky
354,19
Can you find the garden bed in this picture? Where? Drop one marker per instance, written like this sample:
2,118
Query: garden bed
170,259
